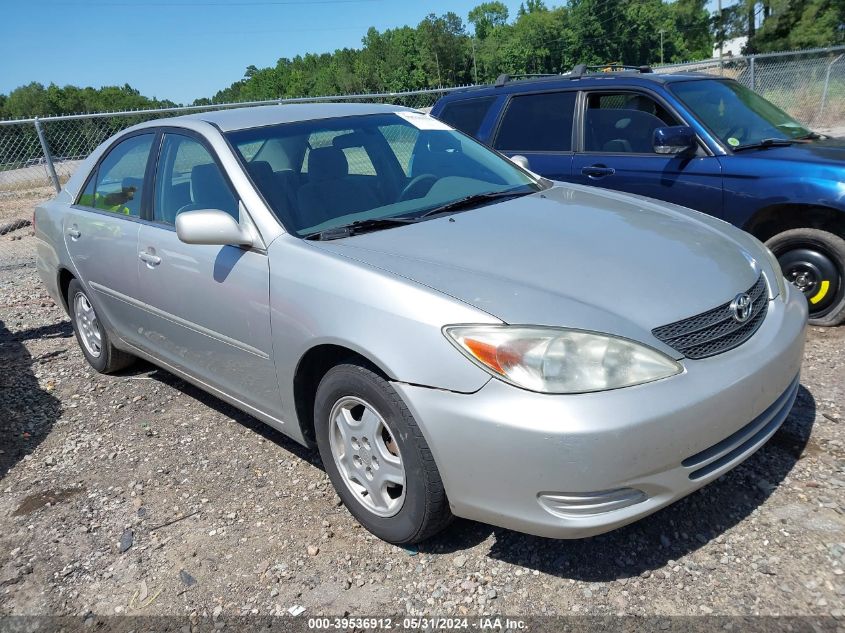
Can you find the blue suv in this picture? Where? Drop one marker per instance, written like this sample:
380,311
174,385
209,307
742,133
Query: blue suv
700,141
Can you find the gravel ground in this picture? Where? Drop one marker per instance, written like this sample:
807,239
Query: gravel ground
139,494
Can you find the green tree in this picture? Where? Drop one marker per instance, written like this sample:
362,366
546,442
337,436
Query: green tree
801,24
488,16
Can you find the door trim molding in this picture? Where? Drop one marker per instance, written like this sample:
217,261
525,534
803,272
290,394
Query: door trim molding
199,329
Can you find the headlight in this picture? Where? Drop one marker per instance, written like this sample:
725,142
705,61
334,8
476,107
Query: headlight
778,272
555,360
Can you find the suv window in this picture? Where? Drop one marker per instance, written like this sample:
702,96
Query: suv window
538,123
119,179
466,115
623,122
188,179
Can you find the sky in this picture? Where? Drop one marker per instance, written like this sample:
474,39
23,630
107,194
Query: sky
185,49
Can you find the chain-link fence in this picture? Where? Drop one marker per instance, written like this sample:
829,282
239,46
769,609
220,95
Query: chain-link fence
38,155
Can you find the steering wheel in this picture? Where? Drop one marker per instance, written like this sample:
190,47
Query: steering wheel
418,187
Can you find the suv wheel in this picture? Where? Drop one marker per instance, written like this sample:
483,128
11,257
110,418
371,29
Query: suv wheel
91,334
814,262
376,456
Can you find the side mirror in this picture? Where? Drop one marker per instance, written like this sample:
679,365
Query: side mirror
678,140
520,160
212,227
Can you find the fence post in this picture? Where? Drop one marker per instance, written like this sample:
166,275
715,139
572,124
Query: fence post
827,84
48,158
751,63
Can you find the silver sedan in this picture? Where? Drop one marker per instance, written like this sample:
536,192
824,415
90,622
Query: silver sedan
456,335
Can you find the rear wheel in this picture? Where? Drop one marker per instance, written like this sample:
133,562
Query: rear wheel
814,262
91,334
376,456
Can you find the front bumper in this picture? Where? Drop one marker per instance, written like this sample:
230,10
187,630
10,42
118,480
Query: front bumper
575,466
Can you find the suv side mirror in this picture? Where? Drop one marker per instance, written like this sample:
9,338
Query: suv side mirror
522,161
678,140
212,227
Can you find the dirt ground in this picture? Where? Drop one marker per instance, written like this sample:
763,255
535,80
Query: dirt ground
140,494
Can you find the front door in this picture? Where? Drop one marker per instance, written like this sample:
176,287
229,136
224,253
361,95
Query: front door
101,233
539,127
207,307
617,153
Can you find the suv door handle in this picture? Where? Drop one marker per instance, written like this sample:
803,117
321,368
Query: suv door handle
74,233
149,258
597,171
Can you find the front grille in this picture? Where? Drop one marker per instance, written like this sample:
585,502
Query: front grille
715,331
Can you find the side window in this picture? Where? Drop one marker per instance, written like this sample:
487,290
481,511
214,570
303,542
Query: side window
623,122
119,180
538,123
188,179
466,115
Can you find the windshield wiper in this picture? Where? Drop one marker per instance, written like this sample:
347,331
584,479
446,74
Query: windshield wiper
356,228
810,136
468,202
766,142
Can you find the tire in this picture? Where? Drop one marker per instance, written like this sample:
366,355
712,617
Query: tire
107,359
420,509
814,261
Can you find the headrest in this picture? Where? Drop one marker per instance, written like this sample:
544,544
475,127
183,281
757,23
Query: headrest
260,170
327,163
208,187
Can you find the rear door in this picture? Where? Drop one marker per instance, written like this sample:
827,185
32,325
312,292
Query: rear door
616,152
207,307
101,232
539,126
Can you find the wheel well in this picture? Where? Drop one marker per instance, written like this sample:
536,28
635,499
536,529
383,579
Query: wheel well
65,278
778,218
310,371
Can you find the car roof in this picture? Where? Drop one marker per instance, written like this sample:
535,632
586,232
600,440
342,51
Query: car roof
576,82
259,116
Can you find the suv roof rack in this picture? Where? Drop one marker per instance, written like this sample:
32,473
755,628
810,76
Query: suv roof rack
504,78
581,69
576,73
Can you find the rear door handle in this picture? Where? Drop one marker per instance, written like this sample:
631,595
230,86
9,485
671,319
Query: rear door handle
149,258
74,233
597,171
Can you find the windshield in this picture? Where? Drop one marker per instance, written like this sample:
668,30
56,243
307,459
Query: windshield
324,174
737,115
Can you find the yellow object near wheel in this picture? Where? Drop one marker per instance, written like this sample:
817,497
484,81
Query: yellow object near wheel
824,286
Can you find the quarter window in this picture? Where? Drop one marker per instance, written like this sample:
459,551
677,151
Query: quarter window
623,123
466,115
188,179
538,123
119,180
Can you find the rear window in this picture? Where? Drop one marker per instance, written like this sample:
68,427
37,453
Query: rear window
466,115
538,123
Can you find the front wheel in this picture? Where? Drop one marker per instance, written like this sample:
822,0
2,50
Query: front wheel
814,262
376,456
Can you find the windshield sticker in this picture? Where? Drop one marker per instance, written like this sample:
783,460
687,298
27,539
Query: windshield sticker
423,121
733,142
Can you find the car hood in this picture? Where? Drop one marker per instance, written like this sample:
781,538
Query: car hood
571,256
822,151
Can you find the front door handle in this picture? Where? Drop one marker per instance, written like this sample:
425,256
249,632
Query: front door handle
150,259
74,233
597,171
